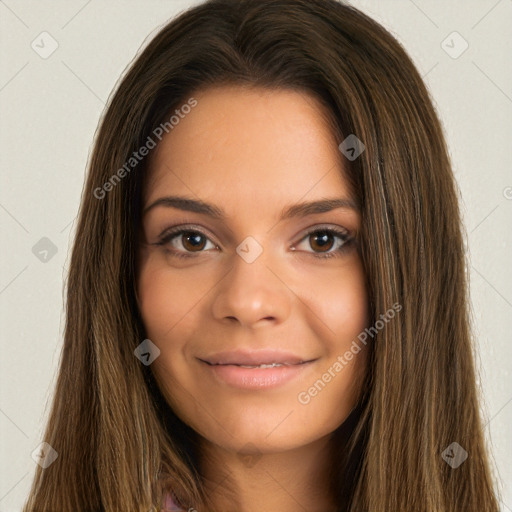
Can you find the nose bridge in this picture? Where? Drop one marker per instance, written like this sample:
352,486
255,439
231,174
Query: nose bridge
251,291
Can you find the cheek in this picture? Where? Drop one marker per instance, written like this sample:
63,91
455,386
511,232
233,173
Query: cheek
168,303
342,304
343,308
169,307
347,309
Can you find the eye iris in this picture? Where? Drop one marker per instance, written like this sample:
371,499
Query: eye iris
194,239
321,239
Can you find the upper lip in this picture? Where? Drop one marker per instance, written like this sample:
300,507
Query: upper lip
256,357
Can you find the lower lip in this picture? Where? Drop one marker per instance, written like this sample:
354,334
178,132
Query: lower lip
257,378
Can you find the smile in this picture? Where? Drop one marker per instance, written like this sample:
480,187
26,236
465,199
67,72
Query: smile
255,377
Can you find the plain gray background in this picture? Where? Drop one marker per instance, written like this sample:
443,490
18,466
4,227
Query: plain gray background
51,105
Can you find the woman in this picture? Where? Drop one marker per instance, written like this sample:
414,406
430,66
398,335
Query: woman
267,302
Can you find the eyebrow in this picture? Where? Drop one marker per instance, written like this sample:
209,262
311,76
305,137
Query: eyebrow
296,210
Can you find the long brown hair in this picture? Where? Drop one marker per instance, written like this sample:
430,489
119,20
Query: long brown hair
118,443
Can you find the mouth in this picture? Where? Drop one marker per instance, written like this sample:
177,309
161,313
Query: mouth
261,365
254,371
263,358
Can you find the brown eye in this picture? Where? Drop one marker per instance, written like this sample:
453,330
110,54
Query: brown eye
321,241
193,241
326,242
185,242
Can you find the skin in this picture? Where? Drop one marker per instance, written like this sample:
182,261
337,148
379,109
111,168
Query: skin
252,152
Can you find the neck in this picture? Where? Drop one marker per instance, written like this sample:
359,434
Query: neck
288,481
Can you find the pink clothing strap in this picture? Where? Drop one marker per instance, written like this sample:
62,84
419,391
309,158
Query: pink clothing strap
169,505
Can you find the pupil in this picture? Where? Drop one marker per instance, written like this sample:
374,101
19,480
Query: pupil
323,238
194,239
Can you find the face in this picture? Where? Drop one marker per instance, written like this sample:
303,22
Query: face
250,299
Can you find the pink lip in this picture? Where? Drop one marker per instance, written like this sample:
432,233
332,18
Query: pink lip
226,368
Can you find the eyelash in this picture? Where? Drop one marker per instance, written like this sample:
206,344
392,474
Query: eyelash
168,235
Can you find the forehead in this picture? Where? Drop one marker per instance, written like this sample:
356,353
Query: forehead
241,145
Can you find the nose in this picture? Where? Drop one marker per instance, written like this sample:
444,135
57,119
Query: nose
252,294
